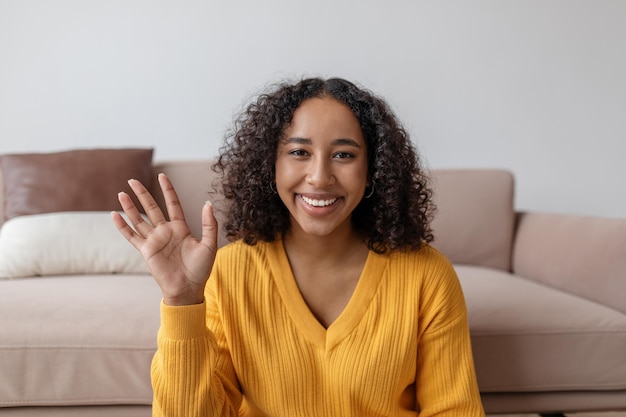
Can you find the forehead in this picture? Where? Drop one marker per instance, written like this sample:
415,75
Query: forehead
324,118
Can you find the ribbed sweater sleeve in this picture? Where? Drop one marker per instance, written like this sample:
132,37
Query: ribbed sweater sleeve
186,378
446,378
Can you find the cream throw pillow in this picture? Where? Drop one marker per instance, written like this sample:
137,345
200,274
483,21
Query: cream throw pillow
66,243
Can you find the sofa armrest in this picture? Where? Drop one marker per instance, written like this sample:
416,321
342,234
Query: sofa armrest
581,255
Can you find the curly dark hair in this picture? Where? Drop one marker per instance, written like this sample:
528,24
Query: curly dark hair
398,213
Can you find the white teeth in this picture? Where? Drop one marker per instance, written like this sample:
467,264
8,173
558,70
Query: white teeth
318,203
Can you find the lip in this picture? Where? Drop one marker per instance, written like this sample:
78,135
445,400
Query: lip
318,204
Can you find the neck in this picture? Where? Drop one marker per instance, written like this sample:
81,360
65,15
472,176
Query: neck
322,247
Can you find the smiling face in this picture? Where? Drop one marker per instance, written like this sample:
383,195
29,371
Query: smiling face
321,168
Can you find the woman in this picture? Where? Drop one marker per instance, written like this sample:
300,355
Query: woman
330,300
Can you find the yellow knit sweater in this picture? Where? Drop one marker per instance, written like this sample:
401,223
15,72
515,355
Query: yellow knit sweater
401,347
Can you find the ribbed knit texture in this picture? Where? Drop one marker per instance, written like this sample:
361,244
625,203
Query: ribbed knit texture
401,347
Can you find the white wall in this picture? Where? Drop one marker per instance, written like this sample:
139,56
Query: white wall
535,86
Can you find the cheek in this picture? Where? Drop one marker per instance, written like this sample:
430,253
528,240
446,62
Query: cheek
359,177
284,182
285,173
279,172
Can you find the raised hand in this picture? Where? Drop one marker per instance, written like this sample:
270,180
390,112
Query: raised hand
179,263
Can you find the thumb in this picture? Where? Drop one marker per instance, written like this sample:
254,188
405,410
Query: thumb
209,227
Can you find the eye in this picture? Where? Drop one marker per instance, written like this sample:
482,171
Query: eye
299,153
343,155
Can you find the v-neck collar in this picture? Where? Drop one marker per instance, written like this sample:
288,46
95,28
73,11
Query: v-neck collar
305,320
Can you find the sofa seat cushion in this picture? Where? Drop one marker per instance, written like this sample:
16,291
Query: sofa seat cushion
527,336
73,340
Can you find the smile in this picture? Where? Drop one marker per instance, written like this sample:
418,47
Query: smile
318,203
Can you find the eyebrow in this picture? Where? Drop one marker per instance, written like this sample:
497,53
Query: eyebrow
335,142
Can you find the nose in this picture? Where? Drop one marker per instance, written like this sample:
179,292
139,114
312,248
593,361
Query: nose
320,173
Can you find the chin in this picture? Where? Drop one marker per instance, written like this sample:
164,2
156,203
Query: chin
321,230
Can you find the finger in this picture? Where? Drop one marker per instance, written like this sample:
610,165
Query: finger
133,214
126,230
172,203
152,209
209,227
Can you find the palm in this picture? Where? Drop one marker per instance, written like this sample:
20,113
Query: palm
175,257
179,263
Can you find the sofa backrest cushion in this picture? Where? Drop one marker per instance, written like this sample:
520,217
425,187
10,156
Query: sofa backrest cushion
582,255
475,218
473,225
195,183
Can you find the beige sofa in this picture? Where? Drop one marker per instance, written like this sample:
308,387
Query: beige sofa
546,295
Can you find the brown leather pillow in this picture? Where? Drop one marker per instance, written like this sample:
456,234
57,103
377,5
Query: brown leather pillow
75,180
